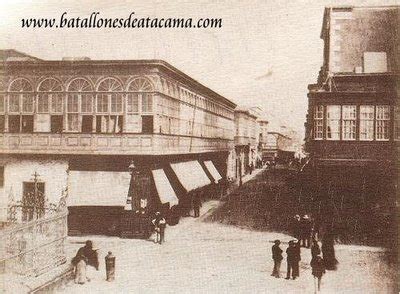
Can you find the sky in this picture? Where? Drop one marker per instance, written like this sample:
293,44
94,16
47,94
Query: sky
265,54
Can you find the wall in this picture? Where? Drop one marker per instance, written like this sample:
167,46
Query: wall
16,171
363,30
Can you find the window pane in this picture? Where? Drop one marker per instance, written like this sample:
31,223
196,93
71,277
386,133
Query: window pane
27,103
349,115
333,122
147,103
102,102
382,122
133,103
2,103
72,103
86,103
366,122
13,103
43,103
116,103
56,103
397,123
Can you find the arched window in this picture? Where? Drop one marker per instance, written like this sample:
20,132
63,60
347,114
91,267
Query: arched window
140,92
50,93
140,102
109,108
20,106
79,100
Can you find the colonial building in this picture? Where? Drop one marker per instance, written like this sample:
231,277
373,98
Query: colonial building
133,134
246,140
352,128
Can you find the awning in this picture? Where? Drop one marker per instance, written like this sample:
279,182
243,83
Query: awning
164,188
191,175
213,170
98,188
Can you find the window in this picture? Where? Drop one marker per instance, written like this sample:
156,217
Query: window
147,103
78,101
21,104
1,176
132,103
43,103
318,121
2,123
56,103
367,122
102,103
116,103
72,113
140,101
397,123
48,88
349,116
109,103
382,122
86,103
333,122
2,103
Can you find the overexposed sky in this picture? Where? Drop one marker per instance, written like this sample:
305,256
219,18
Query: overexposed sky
265,54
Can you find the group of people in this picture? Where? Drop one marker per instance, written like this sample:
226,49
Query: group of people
293,254
303,229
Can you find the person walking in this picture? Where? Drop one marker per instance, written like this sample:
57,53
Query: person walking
291,257
277,257
318,270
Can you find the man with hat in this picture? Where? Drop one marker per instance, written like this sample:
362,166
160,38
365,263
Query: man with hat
277,257
291,253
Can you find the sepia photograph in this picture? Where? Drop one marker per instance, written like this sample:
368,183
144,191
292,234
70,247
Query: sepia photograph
199,146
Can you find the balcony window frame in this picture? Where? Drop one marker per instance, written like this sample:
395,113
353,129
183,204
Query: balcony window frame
347,117
385,121
364,121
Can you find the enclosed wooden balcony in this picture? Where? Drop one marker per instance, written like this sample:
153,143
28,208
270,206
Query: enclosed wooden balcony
108,144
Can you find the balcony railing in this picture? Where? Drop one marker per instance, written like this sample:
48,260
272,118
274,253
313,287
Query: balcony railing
108,144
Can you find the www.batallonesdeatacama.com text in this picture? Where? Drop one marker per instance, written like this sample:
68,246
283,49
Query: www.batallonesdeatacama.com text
96,21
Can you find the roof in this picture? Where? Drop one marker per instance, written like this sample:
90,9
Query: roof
246,110
14,55
33,61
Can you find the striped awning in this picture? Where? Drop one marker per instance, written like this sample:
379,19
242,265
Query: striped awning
164,188
213,170
191,175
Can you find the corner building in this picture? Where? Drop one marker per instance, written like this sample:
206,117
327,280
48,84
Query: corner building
124,137
352,128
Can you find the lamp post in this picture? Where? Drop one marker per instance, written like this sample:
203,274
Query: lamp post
133,171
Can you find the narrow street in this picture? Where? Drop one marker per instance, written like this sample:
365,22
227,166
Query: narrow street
200,257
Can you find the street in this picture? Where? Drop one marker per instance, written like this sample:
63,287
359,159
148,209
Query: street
200,257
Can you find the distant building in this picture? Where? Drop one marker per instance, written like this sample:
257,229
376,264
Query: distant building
246,140
278,148
119,134
353,121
